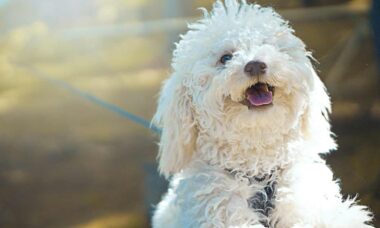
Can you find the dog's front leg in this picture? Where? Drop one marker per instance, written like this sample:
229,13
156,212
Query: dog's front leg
218,202
210,199
307,196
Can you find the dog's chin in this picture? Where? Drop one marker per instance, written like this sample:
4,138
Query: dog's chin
258,96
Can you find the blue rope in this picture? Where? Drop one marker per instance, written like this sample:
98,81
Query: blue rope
111,107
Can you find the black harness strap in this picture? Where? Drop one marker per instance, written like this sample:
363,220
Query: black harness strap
262,201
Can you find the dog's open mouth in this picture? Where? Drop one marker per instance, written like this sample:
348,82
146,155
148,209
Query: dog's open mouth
259,95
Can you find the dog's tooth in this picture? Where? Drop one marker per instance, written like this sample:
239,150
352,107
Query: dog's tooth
266,88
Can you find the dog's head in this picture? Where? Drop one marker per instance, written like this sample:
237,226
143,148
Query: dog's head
240,76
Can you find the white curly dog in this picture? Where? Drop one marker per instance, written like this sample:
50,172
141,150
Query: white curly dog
245,120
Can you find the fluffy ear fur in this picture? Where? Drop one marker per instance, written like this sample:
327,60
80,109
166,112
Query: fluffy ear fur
175,115
316,125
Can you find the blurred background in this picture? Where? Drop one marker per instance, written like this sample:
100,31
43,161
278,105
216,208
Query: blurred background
68,160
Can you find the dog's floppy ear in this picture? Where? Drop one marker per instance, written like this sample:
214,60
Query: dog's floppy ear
175,115
316,125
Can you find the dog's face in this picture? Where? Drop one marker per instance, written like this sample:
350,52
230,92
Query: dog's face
242,76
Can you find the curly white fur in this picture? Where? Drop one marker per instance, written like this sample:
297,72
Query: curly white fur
208,134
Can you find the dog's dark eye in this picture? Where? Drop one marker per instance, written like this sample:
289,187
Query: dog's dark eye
225,58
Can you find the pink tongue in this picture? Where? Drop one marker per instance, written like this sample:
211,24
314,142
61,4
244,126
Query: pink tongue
258,98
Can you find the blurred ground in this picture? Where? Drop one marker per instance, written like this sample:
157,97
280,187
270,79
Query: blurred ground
65,162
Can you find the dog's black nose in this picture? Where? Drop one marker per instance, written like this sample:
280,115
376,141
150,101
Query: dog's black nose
255,68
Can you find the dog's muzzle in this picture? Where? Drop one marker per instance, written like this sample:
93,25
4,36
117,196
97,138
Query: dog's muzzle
259,94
